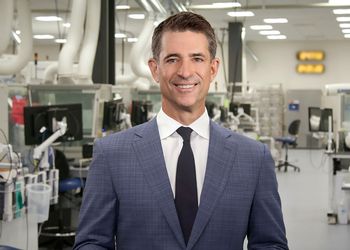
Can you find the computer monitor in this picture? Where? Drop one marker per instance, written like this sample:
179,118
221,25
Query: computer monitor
37,117
112,111
234,106
139,111
318,119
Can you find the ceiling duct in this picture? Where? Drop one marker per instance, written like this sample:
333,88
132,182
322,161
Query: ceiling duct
179,7
6,13
158,7
145,4
152,6
19,61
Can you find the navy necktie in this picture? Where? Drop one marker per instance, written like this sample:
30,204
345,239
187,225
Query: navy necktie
186,201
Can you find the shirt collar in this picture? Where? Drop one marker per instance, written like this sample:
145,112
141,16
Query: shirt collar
167,125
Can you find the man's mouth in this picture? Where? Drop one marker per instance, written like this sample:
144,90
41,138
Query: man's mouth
185,86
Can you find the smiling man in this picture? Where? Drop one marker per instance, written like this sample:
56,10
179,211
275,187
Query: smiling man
180,181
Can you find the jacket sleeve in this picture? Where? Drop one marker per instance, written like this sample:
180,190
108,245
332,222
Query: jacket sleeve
266,228
99,211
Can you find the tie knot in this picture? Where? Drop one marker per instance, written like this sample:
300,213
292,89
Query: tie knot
185,133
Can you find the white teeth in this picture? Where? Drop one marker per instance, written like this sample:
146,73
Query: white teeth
185,86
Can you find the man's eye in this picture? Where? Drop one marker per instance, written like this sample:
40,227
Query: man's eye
198,59
171,60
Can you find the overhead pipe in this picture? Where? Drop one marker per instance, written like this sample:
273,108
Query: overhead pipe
145,5
178,6
141,68
157,6
50,72
6,13
88,50
25,49
71,47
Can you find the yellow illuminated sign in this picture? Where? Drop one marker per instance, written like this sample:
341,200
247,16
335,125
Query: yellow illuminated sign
310,55
310,68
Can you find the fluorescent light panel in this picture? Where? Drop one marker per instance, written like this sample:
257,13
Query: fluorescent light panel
48,18
277,37
275,20
137,16
119,35
346,31
269,32
61,40
347,35
218,5
43,37
240,13
343,19
339,2
122,7
131,39
344,25
341,11
261,27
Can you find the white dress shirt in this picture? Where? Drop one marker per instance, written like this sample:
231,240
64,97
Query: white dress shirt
172,144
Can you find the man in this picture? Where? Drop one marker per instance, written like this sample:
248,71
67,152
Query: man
152,187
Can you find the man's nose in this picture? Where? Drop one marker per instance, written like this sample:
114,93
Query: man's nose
185,69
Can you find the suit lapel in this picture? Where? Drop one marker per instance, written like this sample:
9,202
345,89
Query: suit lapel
149,152
220,160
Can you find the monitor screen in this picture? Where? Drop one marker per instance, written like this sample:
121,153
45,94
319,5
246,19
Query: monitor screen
318,119
112,111
139,111
37,117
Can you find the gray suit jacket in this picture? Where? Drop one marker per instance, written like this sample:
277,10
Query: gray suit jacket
128,196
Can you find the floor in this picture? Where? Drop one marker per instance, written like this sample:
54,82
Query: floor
304,198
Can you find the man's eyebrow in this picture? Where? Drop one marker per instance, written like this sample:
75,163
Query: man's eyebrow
197,54
171,55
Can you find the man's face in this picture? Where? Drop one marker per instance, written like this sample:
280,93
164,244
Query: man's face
184,71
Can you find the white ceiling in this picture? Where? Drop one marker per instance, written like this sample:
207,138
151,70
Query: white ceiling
306,19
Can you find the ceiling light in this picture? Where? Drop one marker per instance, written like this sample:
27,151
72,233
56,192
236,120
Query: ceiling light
137,16
122,7
119,35
240,13
343,19
341,11
218,5
261,27
344,25
269,32
347,35
66,25
61,40
18,32
131,39
277,37
346,31
43,37
16,37
48,18
275,20
226,5
339,2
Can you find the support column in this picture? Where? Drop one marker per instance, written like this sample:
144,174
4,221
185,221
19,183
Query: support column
104,65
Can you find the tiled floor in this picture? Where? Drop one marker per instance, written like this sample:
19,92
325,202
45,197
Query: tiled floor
304,198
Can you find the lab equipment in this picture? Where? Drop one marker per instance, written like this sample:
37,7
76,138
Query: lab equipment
39,117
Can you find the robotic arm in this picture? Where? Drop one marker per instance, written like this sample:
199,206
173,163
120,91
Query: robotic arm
43,147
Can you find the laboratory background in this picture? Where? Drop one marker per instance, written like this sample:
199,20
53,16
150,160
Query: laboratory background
72,71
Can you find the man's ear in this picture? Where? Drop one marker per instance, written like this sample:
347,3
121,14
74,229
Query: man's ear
153,66
214,67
